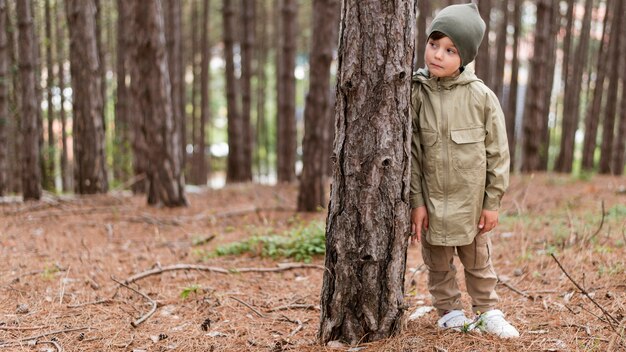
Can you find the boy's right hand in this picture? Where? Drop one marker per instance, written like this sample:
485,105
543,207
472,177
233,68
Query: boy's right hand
419,221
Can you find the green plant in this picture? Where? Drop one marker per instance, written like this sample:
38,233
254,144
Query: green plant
300,243
189,290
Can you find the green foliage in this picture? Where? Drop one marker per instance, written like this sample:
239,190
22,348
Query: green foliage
617,212
300,243
189,290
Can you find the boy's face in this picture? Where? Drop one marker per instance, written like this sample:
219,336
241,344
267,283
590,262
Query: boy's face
442,57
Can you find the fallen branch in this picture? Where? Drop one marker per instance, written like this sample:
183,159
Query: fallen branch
249,306
514,289
606,313
295,306
30,338
4,327
100,301
219,270
599,227
153,304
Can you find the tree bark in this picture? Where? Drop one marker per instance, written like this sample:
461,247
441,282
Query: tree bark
173,33
368,218
425,12
261,151
248,14
286,120
608,126
619,149
4,101
122,155
501,47
88,129
312,191
483,59
31,168
593,112
201,157
536,110
511,115
152,92
102,60
48,183
549,83
14,149
196,170
571,103
66,172
235,160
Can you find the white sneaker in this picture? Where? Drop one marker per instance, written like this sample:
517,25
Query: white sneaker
493,322
456,320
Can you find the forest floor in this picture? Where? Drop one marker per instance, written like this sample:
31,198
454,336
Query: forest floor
59,259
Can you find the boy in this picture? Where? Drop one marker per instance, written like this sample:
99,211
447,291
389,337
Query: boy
460,170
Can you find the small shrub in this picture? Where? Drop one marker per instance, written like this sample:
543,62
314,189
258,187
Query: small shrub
300,243
189,290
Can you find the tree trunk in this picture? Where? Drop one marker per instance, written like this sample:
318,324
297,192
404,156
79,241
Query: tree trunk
483,59
511,115
196,168
571,103
102,60
38,91
549,83
31,168
536,110
593,112
88,129
312,192
425,12
153,95
235,160
122,155
14,150
201,157
261,159
173,33
4,101
367,227
66,172
247,71
608,127
286,120
48,183
501,46
567,68
620,141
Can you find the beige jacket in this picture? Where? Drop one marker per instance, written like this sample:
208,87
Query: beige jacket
459,154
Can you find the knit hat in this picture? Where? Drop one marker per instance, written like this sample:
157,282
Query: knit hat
464,26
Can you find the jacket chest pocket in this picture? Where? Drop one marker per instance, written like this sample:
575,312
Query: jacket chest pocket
428,140
468,149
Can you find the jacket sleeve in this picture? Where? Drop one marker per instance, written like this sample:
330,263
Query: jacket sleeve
416,197
497,149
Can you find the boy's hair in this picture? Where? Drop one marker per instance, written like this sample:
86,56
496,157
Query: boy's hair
436,35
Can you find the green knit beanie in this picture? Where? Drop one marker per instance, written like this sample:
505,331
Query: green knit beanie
464,26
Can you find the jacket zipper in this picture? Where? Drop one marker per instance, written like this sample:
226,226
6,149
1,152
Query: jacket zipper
446,166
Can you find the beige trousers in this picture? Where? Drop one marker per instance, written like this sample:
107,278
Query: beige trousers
480,277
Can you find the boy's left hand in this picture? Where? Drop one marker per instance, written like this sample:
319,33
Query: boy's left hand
488,220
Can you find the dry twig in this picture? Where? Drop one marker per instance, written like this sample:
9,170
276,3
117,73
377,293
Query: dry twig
599,227
249,307
295,306
153,304
160,270
611,319
100,301
512,288
30,338
4,327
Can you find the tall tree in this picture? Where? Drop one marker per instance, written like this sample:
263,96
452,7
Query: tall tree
14,149
31,171
4,101
248,48
200,161
483,59
88,128
286,119
424,15
619,149
368,217
173,37
50,148
196,169
608,125
536,108
571,104
593,112
501,47
152,93
312,192
511,111
101,58
235,160
121,157
66,172
261,151
567,68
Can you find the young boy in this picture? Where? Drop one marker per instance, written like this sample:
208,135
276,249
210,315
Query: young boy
460,170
